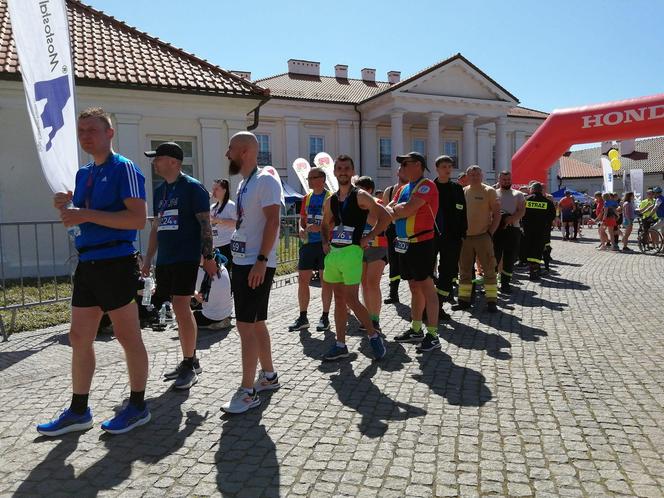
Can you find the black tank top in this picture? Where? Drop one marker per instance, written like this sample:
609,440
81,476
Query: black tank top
349,213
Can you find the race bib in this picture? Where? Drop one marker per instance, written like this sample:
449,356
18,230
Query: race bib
342,235
401,245
168,220
239,245
215,232
315,220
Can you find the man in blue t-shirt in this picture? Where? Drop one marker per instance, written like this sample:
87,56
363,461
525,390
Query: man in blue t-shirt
109,207
182,231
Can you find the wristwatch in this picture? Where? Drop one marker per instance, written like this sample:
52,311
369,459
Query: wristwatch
261,257
209,257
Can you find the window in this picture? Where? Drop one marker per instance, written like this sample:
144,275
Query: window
385,146
451,148
188,162
420,145
316,145
264,152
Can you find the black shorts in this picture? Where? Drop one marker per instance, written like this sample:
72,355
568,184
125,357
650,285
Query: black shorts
312,257
107,283
418,261
250,304
177,279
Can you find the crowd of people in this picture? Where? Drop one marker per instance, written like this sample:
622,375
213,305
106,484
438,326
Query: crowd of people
438,235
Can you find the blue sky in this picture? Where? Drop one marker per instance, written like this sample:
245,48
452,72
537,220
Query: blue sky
550,55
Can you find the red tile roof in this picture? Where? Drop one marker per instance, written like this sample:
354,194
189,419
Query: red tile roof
653,165
354,91
108,52
573,168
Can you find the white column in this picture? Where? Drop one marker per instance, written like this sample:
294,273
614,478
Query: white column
484,150
396,120
369,164
128,144
345,137
356,140
519,140
469,153
433,138
234,126
292,134
502,161
213,164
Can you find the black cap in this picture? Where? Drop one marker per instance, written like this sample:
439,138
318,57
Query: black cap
170,149
413,155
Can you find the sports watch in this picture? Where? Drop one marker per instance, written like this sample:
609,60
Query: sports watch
261,257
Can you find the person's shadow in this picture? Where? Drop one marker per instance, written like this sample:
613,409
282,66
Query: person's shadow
466,337
246,459
554,282
460,386
362,395
315,347
528,299
161,437
512,324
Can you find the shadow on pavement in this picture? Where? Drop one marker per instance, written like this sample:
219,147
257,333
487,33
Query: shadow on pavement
362,395
512,324
460,386
316,347
466,337
554,282
246,459
161,437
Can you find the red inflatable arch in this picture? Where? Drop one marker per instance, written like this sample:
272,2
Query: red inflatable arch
641,117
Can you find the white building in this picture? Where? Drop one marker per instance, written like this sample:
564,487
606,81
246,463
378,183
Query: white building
449,108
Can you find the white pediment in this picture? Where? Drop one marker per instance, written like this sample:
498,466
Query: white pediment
457,79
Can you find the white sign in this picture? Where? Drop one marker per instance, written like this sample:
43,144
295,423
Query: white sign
636,179
614,118
41,34
607,172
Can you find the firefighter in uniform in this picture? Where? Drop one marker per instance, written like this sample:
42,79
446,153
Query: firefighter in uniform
540,213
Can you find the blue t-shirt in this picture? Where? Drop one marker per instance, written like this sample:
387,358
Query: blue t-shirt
104,188
179,232
313,211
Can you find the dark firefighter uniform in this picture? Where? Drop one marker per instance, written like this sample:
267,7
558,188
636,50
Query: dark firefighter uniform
540,213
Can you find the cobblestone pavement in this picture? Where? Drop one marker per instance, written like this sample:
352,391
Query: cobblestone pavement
558,394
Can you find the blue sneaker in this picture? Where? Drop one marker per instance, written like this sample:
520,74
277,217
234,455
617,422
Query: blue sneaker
129,418
68,421
378,347
336,352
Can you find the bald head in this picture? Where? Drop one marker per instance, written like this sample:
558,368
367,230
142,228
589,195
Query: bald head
242,153
245,139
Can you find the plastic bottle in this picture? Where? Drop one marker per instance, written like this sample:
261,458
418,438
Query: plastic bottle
162,315
74,230
169,311
148,287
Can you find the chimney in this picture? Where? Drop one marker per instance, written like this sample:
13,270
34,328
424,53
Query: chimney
341,71
368,75
393,77
309,68
245,75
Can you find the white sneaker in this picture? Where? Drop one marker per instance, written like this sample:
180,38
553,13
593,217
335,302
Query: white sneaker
265,384
241,402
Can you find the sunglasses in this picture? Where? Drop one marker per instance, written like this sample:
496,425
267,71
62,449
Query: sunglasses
314,177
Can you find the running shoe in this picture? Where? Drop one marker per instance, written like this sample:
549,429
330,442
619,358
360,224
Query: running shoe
627,249
378,347
174,374
186,379
410,336
443,316
129,418
429,343
265,384
491,307
461,305
323,324
68,421
336,352
241,401
299,324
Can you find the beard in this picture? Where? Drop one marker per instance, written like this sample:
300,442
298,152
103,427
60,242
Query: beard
506,187
234,167
343,180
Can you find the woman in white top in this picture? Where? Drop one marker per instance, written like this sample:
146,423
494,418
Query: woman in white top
223,216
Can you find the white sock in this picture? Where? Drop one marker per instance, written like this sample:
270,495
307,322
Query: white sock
270,375
341,344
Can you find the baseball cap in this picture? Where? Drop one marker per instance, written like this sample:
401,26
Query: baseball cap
413,155
170,149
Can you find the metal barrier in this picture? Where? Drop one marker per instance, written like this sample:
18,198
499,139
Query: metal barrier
37,261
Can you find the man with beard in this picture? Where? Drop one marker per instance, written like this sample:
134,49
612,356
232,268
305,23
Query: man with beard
452,223
390,233
254,245
182,231
507,238
344,218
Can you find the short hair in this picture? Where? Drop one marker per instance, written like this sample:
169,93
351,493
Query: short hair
344,158
536,187
473,167
444,159
504,172
463,173
597,193
96,112
366,183
319,170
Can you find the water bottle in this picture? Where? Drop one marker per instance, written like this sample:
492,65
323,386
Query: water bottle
168,311
74,230
162,315
148,287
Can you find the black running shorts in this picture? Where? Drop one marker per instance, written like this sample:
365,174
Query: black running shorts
418,261
250,304
177,279
107,283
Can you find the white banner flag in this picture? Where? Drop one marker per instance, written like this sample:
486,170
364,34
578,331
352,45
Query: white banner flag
41,34
608,174
636,179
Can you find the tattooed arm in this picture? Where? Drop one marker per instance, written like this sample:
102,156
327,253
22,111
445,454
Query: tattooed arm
209,265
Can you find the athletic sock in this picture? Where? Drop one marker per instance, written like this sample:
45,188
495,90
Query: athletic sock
326,315
341,344
416,325
433,330
374,318
79,403
137,398
249,390
189,361
270,375
303,314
